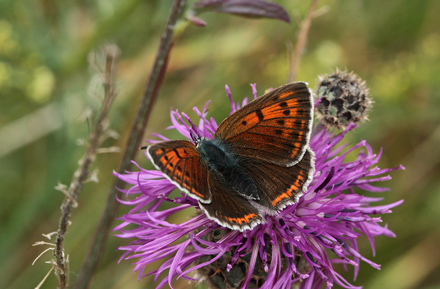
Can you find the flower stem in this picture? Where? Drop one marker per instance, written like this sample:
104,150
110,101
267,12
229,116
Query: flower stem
133,143
301,41
82,173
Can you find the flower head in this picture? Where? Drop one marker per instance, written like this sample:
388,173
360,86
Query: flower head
297,246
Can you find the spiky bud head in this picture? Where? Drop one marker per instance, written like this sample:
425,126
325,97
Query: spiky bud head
343,99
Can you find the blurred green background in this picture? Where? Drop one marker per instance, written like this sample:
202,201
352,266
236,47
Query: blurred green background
47,85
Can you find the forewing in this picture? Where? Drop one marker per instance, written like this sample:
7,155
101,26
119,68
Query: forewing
275,127
229,209
180,162
279,186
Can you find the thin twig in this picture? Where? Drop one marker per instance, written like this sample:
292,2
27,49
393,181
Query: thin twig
133,143
82,173
44,279
42,253
301,41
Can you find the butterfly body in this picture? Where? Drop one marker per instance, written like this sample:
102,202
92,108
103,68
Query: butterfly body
223,164
258,162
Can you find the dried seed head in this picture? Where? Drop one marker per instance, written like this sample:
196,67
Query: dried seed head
343,99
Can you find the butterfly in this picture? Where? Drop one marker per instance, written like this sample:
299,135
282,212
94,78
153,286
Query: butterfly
258,162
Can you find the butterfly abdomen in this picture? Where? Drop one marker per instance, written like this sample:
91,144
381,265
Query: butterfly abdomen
223,164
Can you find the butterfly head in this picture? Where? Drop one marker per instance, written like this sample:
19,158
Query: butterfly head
196,138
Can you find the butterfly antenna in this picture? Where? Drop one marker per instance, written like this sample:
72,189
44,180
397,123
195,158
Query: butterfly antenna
143,148
194,137
204,123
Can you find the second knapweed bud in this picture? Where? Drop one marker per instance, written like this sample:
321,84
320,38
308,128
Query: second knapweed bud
343,99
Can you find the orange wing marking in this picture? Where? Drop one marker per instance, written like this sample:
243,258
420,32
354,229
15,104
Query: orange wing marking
288,193
285,94
245,220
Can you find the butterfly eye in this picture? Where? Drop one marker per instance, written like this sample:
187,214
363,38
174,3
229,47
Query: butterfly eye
196,139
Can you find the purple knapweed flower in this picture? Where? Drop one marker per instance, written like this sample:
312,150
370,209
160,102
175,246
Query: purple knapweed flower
291,248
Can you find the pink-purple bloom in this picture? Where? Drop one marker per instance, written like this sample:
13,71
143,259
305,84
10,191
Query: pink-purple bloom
322,227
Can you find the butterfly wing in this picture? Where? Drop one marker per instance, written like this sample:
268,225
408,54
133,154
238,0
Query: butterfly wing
180,162
279,186
228,208
275,127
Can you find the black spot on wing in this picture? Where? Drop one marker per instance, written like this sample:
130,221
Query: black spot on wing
260,114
